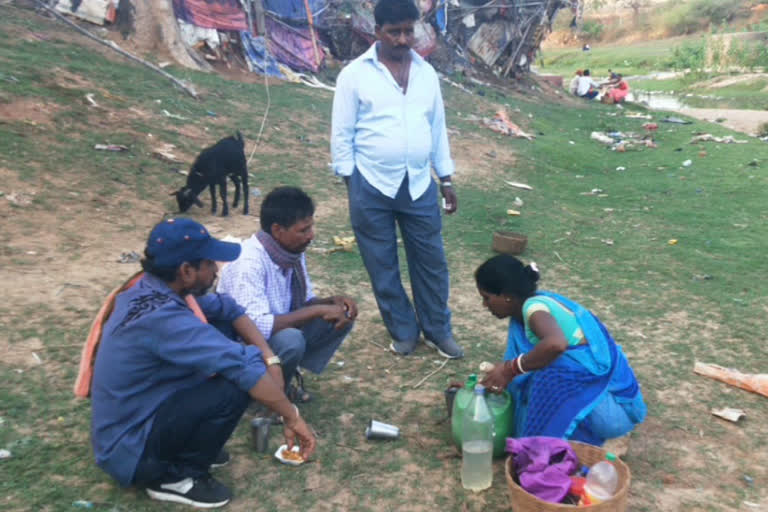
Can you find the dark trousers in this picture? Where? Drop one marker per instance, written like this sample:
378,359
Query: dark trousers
374,218
189,430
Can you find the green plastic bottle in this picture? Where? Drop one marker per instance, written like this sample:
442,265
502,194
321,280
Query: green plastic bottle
502,410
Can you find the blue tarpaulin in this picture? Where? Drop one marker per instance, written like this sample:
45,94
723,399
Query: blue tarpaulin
293,10
258,55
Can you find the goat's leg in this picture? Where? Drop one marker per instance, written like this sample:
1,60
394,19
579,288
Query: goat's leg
236,181
245,192
212,189
223,193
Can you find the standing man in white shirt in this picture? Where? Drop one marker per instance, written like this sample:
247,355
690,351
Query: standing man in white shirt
271,282
388,133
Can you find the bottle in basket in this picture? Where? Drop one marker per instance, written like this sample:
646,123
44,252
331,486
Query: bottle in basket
477,443
602,480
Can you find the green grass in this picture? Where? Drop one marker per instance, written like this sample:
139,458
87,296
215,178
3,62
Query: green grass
649,293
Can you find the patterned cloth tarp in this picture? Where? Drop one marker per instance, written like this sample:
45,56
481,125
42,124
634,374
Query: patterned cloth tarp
218,14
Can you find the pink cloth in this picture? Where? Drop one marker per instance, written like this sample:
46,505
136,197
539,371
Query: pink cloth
619,92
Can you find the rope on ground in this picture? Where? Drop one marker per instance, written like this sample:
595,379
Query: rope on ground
111,44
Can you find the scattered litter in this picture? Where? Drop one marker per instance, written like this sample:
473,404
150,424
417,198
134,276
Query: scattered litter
754,163
702,277
687,163
754,382
110,147
174,116
675,120
164,64
500,123
601,137
751,504
651,126
255,191
346,243
748,480
672,241
607,241
37,358
5,454
637,115
519,185
571,143
608,210
728,413
340,364
32,253
82,504
708,137
702,153
621,168
347,379
90,99
129,257
594,192
512,212
211,113
518,202
165,152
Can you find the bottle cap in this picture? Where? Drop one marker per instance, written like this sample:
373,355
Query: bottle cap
610,456
472,381
479,389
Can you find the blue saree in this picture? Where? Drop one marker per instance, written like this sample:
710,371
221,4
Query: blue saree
558,400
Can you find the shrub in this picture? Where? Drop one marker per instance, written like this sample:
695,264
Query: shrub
592,30
762,130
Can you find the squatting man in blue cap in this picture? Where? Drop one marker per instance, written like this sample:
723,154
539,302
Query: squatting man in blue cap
168,389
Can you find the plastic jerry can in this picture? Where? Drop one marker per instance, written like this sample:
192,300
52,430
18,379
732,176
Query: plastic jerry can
502,411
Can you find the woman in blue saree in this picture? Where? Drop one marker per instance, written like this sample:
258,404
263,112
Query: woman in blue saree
566,374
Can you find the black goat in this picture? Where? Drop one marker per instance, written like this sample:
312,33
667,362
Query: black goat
213,165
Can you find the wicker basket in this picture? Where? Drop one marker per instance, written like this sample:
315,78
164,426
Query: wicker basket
508,242
523,501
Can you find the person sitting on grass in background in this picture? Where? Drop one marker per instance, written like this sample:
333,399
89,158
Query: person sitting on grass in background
271,281
617,90
574,85
168,389
586,87
567,376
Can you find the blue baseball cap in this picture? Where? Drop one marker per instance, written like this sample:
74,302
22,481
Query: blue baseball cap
174,241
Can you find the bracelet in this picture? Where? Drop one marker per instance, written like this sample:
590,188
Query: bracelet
520,364
446,184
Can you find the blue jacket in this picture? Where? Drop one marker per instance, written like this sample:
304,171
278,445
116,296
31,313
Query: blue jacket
152,346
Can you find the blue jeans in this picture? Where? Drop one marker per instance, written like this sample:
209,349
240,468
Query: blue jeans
189,430
310,347
374,217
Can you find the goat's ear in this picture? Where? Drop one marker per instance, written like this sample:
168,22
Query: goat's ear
198,203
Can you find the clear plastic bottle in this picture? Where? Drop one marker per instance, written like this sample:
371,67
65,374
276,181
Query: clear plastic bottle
602,480
477,444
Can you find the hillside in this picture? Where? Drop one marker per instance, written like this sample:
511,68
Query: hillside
669,255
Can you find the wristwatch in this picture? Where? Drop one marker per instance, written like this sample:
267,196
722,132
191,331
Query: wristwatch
273,360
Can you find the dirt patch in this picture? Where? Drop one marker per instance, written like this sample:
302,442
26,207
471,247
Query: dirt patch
745,121
727,81
29,110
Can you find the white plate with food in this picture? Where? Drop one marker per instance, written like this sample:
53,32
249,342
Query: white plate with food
291,457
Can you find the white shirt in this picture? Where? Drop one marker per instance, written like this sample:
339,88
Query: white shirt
585,83
259,285
385,133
